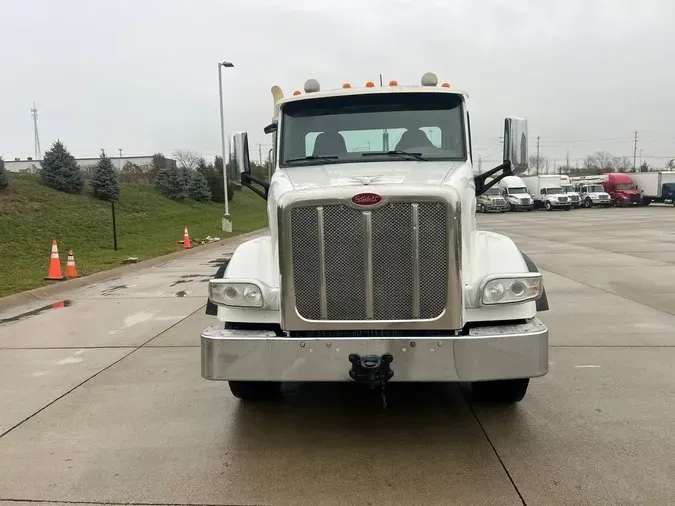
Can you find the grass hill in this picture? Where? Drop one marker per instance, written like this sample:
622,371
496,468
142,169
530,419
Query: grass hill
148,225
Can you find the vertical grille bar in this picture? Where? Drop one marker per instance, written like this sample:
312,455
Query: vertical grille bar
323,302
368,253
416,261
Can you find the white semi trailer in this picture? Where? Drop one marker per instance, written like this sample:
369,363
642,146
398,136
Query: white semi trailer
655,186
373,270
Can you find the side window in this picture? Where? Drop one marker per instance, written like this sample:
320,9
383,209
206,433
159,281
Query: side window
543,191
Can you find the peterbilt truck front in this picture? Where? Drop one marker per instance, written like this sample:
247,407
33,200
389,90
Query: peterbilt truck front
373,270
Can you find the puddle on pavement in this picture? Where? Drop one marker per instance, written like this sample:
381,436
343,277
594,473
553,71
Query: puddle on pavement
59,304
112,289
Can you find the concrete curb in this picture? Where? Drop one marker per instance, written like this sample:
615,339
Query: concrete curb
60,287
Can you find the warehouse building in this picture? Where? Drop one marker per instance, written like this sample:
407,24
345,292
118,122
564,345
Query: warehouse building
31,166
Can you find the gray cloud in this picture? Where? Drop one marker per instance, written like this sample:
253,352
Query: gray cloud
142,75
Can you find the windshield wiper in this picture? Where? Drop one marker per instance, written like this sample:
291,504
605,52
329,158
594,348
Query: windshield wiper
397,152
326,158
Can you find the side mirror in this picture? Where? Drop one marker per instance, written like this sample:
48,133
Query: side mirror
239,162
515,156
239,165
515,144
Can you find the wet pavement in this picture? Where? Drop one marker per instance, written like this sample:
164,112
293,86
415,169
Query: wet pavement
103,401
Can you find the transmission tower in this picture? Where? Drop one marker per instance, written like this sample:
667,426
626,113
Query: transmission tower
38,152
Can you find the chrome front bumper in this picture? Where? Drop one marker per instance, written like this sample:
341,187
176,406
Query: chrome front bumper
487,353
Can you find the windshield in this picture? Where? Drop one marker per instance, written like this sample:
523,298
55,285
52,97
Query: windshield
624,186
367,128
554,191
594,189
518,191
568,188
493,192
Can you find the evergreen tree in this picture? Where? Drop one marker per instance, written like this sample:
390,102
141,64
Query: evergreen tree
171,182
105,183
4,180
199,187
60,170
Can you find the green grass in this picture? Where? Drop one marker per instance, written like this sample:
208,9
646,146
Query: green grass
148,225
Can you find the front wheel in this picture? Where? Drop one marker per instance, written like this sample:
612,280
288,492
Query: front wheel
567,208
588,203
548,206
255,390
507,391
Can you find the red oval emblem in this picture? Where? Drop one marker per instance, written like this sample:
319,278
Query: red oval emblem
366,199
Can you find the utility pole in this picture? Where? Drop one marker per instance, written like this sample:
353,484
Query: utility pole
567,163
260,154
36,136
480,164
385,133
635,151
227,219
538,159
641,158
119,163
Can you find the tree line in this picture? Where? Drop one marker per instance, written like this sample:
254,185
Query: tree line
188,175
599,162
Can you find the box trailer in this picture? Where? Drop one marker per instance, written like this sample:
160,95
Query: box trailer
655,186
547,192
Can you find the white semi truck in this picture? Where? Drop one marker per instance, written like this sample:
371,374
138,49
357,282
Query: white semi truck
655,186
571,192
592,194
547,192
516,193
373,270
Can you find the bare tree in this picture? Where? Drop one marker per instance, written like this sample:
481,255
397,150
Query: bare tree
599,162
186,158
670,164
538,164
622,164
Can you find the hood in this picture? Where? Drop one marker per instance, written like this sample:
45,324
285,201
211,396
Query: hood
391,171
627,192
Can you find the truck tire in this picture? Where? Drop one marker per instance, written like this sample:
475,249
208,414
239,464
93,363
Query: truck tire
588,203
548,206
255,390
481,208
646,202
502,391
567,208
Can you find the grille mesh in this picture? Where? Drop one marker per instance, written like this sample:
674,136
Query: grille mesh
392,256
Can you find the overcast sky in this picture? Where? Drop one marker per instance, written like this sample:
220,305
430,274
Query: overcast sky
141,75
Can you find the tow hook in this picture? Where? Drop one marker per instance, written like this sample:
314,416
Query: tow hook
372,370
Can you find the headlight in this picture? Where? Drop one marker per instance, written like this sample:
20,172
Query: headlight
509,290
235,294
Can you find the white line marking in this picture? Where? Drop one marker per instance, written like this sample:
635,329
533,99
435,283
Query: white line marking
587,366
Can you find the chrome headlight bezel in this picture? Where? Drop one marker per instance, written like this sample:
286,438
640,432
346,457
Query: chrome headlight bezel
532,283
243,293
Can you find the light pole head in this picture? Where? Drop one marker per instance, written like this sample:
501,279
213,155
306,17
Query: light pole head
227,64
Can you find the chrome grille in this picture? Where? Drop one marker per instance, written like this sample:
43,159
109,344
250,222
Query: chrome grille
524,201
574,198
375,265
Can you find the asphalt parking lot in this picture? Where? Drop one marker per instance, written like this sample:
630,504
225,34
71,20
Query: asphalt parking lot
103,402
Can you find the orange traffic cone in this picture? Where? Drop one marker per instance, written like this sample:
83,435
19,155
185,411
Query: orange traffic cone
54,264
71,271
186,239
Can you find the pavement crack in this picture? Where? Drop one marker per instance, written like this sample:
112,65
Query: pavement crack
494,449
134,350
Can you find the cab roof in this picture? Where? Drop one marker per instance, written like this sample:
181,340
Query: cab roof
312,89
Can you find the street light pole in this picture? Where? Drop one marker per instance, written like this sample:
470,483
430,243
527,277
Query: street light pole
227,220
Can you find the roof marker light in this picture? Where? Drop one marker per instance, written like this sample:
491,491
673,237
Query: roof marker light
296,92
312,85
370,84
346,85
445,84
429,79
393,82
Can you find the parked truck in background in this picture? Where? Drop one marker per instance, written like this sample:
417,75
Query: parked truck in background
373,269
593,194
547,192
618,185
655,186
516,194
571,192
491,201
